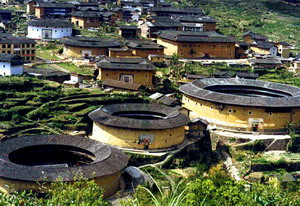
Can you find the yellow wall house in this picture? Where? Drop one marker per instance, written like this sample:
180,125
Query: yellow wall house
86,19
197,44
77,47
31,161
243,105
21,46
131,70
139,126
251,36
284,49
138,48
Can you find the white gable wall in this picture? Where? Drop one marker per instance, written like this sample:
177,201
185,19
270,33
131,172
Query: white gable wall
36,32
7,70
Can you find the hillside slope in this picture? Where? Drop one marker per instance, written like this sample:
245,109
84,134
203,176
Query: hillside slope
274,18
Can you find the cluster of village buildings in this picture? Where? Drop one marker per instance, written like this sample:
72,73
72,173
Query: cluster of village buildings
155,31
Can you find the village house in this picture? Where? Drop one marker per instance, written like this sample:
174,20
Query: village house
129,32
51,10
197,44
132,4
79,5
241,49
87,19
151,27
266,63
131,14
121,52
138,48
296,62
197,23
284,49
10,64
144,48
76,47
170,11
108,2
21,46
264,47
250,37
48,74
130,70
49,29
109,18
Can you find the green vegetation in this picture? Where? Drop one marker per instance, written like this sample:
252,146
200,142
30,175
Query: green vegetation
105,31
32,106
48,51
85,193
79,70
273,18
282,158
211,187
70,68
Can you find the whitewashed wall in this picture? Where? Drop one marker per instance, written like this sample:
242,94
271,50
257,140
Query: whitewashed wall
7,70
35,32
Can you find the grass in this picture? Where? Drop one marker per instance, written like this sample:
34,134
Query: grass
271,158
72,68
79,70
33,106
273,18
46,54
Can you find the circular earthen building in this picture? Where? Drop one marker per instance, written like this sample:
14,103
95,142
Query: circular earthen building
139,126
244,105
27,160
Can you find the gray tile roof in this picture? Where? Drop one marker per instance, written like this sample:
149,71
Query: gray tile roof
198,89
13,59
107,160
173,118
196,19
124,64
177,10
9,39
55,5
143,44
50,23
266,61
255,36
91,42
87,14
263,44
184,36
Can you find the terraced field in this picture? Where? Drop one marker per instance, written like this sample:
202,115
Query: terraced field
32,106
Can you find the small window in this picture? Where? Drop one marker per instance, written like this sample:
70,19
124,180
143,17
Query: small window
229,111
271,114
211,107
250,112
106,75
3,66
234,111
